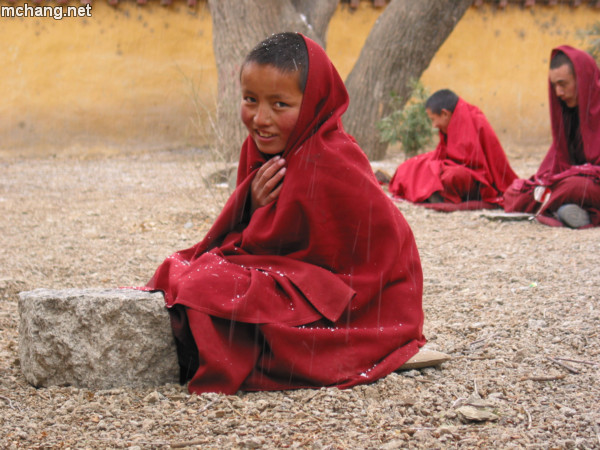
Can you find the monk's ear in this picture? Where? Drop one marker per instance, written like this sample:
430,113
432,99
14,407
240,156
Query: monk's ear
446,113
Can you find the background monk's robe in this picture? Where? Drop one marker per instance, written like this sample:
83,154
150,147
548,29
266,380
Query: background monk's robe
570,176
468,167
321,287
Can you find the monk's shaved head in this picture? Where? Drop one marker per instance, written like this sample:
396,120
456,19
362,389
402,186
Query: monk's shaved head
560,59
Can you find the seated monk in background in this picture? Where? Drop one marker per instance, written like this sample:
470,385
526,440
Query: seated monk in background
566,188
467,170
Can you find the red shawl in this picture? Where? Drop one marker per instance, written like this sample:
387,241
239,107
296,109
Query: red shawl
322,287
557,166
470,143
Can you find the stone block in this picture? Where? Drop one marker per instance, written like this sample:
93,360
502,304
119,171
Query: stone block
96,338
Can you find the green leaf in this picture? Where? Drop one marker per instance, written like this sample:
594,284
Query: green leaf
409,125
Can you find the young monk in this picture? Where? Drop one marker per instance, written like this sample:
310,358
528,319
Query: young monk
310,275
566,188
467,170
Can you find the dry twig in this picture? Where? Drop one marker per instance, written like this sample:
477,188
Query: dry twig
543,378
186,444
208,405
590,363
528,418
232,408
9,402
475,388
569,368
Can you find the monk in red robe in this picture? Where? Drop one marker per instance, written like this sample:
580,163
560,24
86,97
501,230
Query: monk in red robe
467,170
566,188
310,275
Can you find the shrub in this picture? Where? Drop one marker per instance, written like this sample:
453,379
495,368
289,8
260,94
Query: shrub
592,36
409,125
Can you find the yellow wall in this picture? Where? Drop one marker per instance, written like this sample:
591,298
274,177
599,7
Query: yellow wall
499,61
496,59
141,77
123,78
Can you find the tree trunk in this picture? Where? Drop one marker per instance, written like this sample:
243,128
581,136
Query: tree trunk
237,27
318,14
399,48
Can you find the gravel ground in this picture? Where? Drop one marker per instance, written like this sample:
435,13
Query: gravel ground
516,304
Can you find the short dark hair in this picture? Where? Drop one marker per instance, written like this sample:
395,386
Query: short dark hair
285,51
442,99
559,59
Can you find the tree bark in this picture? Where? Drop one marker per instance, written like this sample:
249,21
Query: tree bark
318,14
238,25
399,48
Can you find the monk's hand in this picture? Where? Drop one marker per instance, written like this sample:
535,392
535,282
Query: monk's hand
267,182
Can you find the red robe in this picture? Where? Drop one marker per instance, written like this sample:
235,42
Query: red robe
321,287
566,181
468,168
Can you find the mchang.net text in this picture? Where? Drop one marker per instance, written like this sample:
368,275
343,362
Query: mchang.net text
56,12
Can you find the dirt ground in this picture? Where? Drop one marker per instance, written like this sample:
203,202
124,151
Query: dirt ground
516,305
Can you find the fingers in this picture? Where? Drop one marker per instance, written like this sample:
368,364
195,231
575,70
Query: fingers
267,183
272,179
271,167
272,187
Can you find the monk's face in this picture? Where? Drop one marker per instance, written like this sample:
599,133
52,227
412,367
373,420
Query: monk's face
271,101
441,120
564,84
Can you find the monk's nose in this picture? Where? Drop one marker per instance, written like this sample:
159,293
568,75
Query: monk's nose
262,116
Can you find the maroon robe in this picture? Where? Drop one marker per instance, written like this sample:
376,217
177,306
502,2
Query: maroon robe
568,177
468,168
321,287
